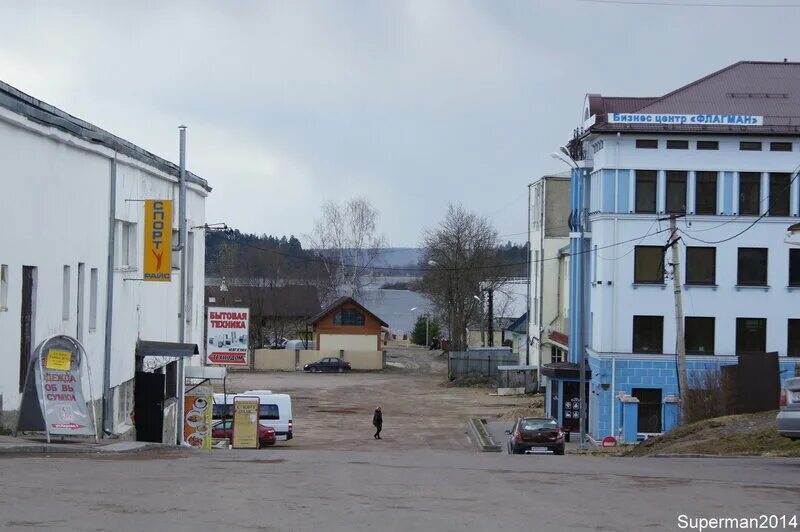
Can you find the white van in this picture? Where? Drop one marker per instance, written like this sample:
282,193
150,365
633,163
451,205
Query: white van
275,411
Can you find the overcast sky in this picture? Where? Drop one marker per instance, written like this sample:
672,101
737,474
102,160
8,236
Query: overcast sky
410,104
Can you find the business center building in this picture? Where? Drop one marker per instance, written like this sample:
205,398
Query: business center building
725,151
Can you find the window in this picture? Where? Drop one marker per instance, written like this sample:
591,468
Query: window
701,265
752,267
705,197
794,267
677,144
648,334
780,146
793,344
556,354
349,316
676,191
648,416
749,193
65,290
93,299
749,146
126,250
779,186
707,145
268,412
647,144
124,393
176,255
3,286
648,265
751,335
171,380
699,335
646,191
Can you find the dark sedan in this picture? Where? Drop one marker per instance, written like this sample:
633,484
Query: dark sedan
336,365
535,434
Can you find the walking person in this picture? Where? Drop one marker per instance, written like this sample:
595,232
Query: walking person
377,420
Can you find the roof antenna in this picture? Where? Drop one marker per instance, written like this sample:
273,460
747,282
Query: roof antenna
785,60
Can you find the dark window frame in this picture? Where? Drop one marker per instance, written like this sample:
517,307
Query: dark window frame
794,267
750,145
793,338
690,254
655,323
761,280
742,334
646,144
643,178
349,317
636,259
677,144
691,326
707,145
780,190
781,146
703,179
675,181
750,179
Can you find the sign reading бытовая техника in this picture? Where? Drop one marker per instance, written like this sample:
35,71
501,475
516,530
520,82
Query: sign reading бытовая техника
227,335
693,120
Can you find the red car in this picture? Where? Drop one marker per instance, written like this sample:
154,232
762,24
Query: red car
224,429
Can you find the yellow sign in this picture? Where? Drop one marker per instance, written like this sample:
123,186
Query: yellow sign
245,422
57,359
158,240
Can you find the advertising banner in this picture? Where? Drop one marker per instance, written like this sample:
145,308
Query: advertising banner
690,120
228,335
158,240
245,422
197,407
53,399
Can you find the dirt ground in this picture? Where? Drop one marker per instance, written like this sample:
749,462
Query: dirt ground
334,411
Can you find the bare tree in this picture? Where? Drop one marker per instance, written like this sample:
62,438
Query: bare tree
460,258
346,235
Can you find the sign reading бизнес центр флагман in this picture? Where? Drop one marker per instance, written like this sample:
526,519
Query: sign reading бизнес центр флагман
692,120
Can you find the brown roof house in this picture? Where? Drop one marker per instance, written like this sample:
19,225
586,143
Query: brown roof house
275,311
346,325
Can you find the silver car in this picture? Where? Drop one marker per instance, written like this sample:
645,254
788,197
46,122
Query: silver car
789,415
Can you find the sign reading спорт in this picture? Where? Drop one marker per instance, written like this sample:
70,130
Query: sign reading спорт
700,119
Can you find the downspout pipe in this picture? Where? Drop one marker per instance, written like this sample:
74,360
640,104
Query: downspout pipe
182,314
108,400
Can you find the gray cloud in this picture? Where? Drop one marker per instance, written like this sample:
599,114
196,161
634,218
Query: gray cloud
411,104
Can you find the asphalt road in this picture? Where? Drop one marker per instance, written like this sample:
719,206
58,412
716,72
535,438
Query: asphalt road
283,489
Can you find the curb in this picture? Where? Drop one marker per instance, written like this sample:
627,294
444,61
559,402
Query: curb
485,443
698,455
45,448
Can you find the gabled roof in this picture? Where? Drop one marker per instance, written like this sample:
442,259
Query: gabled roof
341,302
760,88
519,325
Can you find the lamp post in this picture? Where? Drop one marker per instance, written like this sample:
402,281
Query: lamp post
577,345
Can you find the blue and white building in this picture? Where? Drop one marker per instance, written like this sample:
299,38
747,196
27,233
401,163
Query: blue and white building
725,151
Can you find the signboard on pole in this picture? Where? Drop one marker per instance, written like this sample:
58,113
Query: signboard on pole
158,240
245,422
197,407
52,399
228,335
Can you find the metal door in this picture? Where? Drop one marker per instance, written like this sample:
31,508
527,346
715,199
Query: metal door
148,407
26,322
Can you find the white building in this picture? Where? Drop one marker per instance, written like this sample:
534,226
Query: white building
71,251
724,151
549,231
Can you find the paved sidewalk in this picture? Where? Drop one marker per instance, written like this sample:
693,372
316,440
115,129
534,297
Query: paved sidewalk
38,444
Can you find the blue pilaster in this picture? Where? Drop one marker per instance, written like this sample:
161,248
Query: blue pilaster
671,413
630,418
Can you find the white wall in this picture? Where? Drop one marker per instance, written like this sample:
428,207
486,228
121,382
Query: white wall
349,342
615,299
54,208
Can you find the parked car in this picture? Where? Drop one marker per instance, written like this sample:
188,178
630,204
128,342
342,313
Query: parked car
274,410
299,344
535,434
224,429
328,364
789,416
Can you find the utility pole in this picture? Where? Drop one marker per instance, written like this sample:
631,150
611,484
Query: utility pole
490,343
680,344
